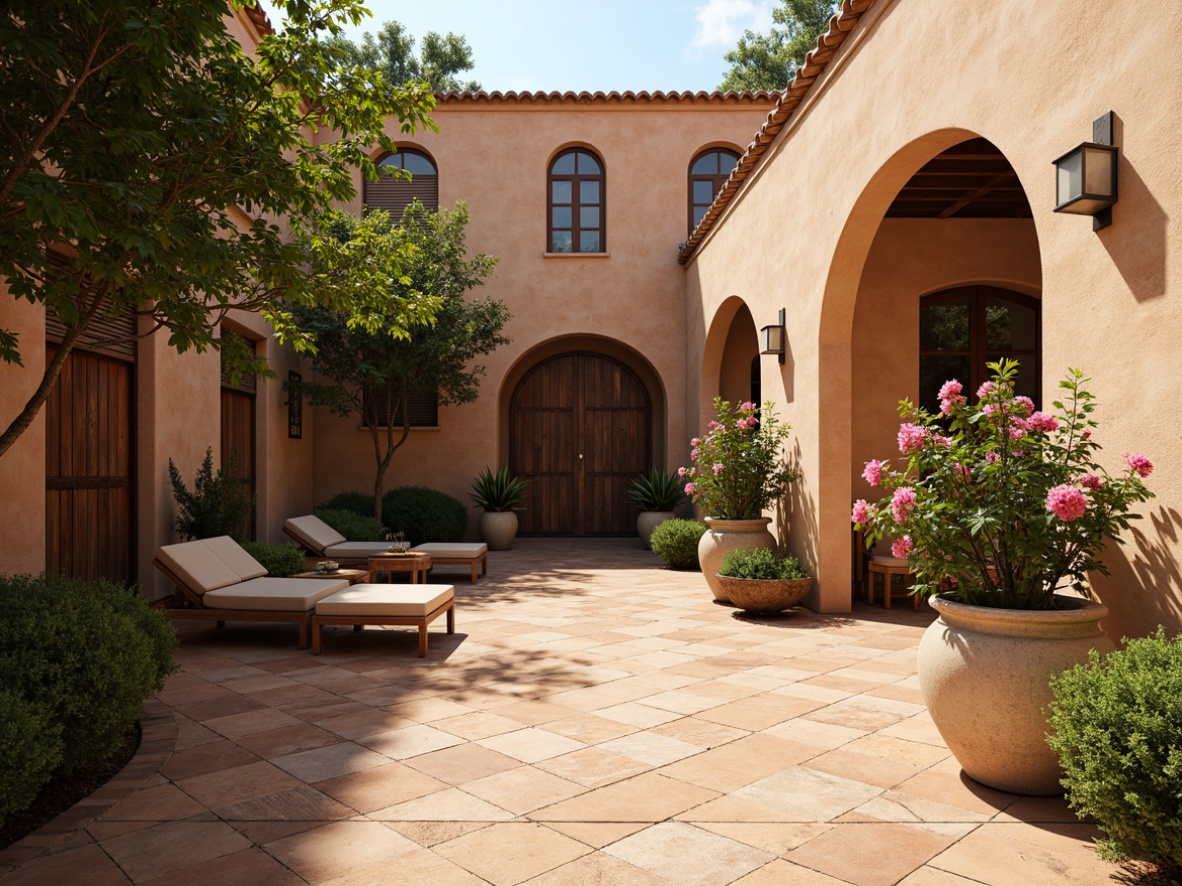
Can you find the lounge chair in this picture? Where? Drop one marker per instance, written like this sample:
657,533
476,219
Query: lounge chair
216,580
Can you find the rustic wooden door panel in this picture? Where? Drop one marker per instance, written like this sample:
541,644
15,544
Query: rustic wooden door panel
238,439
580,432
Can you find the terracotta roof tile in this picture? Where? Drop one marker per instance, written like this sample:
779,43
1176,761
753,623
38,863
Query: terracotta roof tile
258,17
827,44
603,97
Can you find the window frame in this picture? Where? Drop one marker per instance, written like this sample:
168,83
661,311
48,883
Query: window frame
576,179
418,401
717,179
371,190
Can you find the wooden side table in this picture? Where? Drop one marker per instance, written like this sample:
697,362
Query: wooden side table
355,576
416,564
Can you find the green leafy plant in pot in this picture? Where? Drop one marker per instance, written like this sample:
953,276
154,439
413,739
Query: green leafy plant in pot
499,494
999,506
759,580
657,494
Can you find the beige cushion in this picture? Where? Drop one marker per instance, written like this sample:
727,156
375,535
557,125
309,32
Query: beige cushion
881,560
232,554
408,600
313,532
275,594
441,550
195,563
357,550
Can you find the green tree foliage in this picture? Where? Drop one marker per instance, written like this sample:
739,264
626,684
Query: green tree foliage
141,134
768,61
392,51
373,372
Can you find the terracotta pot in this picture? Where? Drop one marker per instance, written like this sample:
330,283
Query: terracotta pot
985,675
764,595
724,536
498,529
647,522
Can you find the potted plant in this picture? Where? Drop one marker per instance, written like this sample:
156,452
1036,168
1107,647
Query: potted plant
656,494
500,494
759,580
998,508
738,470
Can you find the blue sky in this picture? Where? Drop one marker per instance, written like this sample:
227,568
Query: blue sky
671,45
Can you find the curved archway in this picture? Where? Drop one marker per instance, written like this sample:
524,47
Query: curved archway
581,417
731,345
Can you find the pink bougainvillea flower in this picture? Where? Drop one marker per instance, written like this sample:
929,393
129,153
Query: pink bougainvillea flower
911,438
694,453
697,441
951,388
1016,432
1023,405
741,424
690,488
1041,421
1139,463
985,390
1086,435
747,407
872,473
991,457
863,511
681,472
963,470
1091,481
717,470
1019,453
901,547
902,503
942,441
1066,502
715,425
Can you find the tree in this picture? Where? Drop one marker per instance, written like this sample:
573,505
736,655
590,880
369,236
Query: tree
391,51
769,61
374,373
144,156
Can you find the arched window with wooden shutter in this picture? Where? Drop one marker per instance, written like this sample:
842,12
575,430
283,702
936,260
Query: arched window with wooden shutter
394,193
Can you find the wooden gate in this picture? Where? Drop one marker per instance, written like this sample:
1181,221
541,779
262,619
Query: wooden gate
238,428
580,430
89,519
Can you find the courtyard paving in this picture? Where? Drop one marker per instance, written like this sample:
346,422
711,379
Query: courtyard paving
595,720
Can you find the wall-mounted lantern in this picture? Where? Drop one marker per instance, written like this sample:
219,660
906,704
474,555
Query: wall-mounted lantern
1085,177
295,405
771,338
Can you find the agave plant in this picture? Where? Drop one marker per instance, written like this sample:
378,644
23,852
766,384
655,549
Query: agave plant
657,491
499,491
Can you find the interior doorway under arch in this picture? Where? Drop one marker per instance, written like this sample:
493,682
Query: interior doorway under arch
580,430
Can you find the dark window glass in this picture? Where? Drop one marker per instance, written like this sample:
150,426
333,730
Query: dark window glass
576,183
708,173
422,407
394,194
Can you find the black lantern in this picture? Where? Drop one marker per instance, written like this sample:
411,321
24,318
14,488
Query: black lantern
1085,177
771,338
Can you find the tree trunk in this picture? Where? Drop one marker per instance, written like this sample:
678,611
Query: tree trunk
25,417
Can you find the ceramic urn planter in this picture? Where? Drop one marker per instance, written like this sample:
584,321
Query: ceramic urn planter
985,675
647,521
764,595
724,536
498,529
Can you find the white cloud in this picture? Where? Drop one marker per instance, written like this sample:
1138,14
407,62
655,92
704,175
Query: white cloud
722,22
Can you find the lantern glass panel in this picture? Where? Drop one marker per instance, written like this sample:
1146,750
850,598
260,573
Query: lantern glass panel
1098,172
1069,180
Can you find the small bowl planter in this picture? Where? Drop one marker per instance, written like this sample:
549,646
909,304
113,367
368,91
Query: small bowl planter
765,595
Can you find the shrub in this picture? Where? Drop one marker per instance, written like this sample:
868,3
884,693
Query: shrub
1117,728
761,563
30,749
352,525
82,657
357,502
424,514
657,491
218,505
281,561
676,542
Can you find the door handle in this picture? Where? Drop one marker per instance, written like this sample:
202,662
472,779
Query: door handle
580,456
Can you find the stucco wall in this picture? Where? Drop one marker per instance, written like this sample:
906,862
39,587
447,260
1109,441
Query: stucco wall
915,77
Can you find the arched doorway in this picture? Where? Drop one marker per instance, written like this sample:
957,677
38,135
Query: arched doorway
580,430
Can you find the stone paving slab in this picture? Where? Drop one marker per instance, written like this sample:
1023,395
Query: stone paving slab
596,719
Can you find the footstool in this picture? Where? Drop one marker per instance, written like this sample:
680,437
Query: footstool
471,554
381,604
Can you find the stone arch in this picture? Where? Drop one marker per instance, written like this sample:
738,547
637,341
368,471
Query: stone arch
732,342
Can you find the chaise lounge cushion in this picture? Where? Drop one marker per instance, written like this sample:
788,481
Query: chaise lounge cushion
313,532
233,555
274,594
357,550
883,560
453,550
414,601
196,564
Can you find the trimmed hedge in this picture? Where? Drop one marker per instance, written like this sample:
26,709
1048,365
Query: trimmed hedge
280,561
761,564
352,525
358,502
424,514
78,659
676,542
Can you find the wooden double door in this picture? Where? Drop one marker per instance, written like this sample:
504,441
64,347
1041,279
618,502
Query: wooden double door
580,428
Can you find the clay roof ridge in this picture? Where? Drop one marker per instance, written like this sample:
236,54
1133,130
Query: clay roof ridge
840,24
259,18
586,97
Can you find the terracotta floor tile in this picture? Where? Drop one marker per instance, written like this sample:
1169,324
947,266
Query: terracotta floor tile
507,854
523,789
903,807
635,714
783,873
289,740
688,855
596,834
329,762
776,838
206,758
261,720
452,804
261,832
420,866
917,753
700,732
823,736
870,854
956,789
64,868
646,797
303,803
251,867
532,744
759,711
593,768
238,784
428,833
651,748
172,846
477,725
399,744
336,849
863,767
808,795
360,723
380,787
1016,855
160,803
740,762
590,728
428,710
462,763
220,707
535,713
930,876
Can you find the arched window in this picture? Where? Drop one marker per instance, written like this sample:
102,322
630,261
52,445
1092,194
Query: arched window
395,194
576,203
708,173
961,330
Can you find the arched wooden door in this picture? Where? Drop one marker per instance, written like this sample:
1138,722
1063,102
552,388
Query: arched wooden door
580,430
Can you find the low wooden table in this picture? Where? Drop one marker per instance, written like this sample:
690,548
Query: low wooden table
355,576
414,564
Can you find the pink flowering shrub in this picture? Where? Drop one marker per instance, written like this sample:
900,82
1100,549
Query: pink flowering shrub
999,501
738,467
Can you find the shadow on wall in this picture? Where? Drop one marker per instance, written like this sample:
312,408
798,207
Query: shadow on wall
796,526
1144,588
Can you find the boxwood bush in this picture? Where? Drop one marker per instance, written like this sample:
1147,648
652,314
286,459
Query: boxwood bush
1117,728
280,561
357,502
761,563
424,514
676,542
352,525
77,660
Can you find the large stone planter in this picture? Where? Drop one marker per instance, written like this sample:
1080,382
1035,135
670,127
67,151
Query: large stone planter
647,522
985,675
764,595
498,529
724,536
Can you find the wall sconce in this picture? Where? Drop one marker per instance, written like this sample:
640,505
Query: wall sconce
771,338
1085,177
295,405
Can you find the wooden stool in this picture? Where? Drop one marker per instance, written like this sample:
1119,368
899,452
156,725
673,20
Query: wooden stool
886,567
